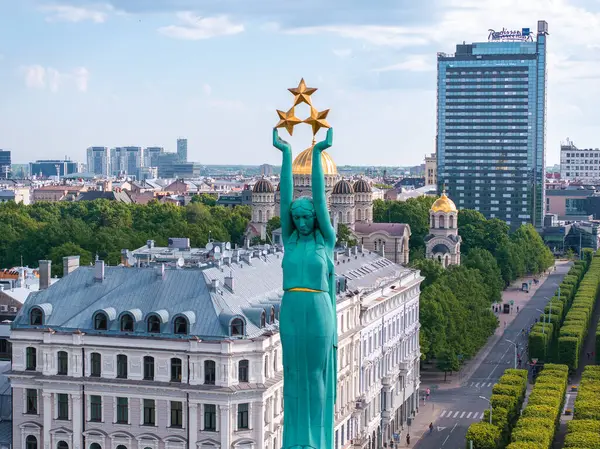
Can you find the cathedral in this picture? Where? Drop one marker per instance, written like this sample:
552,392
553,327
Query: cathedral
350,203
443,242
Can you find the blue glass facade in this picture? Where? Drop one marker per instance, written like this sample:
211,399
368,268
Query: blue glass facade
491,134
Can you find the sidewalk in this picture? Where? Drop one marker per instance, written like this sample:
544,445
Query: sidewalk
520,300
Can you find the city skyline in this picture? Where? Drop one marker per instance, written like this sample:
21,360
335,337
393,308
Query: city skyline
216,74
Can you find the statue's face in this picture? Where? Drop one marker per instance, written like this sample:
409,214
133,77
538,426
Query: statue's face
303,216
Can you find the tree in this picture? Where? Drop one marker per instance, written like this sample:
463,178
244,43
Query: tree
448,362
273,224
344,236
67,249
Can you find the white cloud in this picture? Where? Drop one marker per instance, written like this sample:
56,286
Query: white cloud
194,27
68,13
207,89
40,77
412,63
342,52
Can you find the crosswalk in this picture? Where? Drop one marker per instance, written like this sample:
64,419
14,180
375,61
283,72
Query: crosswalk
480,384
459,414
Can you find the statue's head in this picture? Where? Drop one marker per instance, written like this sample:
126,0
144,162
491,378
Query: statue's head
303,215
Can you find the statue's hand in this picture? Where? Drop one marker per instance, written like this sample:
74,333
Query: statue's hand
324,144
279,143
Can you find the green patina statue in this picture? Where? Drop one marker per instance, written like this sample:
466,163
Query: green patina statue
307,319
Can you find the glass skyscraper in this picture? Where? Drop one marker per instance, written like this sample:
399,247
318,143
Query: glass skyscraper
491,125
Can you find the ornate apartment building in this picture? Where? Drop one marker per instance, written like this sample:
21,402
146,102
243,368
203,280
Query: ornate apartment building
156,357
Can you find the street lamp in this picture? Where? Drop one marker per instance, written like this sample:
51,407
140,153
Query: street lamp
516,348
558,286
549,308
490,402
543,320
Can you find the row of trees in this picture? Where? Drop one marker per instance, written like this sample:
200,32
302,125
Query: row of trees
51,230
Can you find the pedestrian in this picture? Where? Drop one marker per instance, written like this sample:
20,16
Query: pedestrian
505,325
430,427
408,439
517,309
588,355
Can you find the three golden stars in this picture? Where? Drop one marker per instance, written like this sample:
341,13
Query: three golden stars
317,119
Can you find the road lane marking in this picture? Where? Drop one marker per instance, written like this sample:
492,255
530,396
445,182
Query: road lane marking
490,384
469,415
446,439
443,413
439,428
482,415
456,414
462,414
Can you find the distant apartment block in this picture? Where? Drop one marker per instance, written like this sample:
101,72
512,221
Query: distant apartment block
98,161
579,164
126,160
52,167
182,149
151,156
431,170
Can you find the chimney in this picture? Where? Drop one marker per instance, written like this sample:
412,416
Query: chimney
361,248
70,264
160,271
336,256
229,282
348,251
214,284
99,271
382,253
45,271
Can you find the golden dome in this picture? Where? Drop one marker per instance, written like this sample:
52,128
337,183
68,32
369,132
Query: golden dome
303,163
443,204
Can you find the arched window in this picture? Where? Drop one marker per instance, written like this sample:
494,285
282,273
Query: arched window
154,324
359,214
275,361
268,214
237,327
263,319
272,315
243,368
95,446
63,363
121,366
100,321
348,217
451,222
210,372
339,217
62,445
176,369
121,446
127,323
442,221
31,442
266,366
36,316
180,326
30,359
148,367
260,216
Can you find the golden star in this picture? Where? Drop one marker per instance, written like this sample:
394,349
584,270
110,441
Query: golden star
317,119
287,120
302,93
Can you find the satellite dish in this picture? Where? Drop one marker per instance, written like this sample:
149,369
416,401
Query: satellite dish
218,255
209,246
226,253
267,246
227,245
264,252
180,262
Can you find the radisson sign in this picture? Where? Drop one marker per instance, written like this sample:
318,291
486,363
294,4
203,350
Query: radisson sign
510,35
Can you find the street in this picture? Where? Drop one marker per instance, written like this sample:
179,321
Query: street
459,407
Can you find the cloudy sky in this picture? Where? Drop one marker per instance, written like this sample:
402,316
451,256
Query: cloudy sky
75,73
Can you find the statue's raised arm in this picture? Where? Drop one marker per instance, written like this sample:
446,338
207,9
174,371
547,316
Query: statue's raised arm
318,190
286,185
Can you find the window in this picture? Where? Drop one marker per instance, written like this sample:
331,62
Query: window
96,408
121,366
36,317
95,446
243,367
31,359
148,368
210,417
63,363
31,442
242,416
263,319
237,327
176,370
180,326
275,361
209,372
95,365
122,410
63,406
100,321
120,446
272,315
127,323
176,414
149,412
154,324
31,405
62,445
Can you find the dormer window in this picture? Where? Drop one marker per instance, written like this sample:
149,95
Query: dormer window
36,317
180,326
154,324
237,327
263,319
127,323
272,315
101,321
